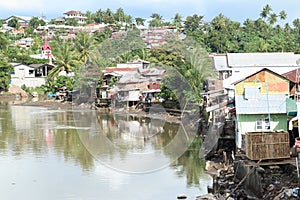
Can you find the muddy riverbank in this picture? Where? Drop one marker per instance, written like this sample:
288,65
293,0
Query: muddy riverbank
56,104
237,177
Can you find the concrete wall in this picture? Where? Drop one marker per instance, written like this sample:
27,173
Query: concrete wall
28,82
253,181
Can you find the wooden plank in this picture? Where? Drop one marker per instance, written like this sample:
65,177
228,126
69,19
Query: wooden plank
272,162
216,107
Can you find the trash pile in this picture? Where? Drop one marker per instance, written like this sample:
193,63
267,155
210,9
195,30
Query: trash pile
277,181
280,182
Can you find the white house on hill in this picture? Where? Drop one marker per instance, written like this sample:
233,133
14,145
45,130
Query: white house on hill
30,76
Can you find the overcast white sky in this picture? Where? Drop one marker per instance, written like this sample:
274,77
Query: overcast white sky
237,10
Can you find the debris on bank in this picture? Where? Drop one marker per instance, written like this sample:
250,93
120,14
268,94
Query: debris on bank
237,177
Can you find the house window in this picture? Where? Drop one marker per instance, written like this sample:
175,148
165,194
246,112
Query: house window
31,71
263,124
251,93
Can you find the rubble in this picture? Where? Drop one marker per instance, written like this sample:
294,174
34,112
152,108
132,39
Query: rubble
276,181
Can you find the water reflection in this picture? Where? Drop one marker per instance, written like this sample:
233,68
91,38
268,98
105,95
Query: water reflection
37,136
131,144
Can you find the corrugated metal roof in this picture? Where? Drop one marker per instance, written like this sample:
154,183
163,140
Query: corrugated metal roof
219,61
262,59
273,103
292,75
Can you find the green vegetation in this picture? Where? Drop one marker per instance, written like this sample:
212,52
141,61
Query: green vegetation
188,59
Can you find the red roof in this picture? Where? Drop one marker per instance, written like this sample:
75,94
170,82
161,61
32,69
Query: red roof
46,46
120,69
292,75
73,12
92,24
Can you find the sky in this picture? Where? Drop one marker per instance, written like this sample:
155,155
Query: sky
236,10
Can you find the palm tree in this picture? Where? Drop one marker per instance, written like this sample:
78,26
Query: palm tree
157,20
282,15
140,21
296,23
128,20
120,15
125,57
177,20
65,59
99,15
84,44
272,18
90,17
266,11
109,17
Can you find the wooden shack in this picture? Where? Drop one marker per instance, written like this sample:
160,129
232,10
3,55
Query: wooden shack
267,145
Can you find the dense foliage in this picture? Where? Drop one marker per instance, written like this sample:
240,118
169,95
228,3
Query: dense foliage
267,33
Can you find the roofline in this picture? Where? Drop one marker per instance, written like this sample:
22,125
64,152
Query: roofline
259,72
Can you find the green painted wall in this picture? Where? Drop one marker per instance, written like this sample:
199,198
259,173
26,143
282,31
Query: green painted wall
247,123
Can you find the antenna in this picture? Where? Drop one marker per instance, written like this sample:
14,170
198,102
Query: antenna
43,16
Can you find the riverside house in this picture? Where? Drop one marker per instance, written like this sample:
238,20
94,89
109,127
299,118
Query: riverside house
261,104
31,76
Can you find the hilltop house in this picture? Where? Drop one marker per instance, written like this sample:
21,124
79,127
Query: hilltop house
261,104
23,20
77,15
156,36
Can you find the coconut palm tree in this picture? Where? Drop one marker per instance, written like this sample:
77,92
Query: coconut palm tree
65,58
266,11
84,44
157,20
272,18
282,15
177,20
120,15
140,21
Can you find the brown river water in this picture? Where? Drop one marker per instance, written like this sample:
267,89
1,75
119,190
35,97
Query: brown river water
78,154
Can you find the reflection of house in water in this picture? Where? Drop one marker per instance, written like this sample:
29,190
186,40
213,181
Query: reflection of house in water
130,131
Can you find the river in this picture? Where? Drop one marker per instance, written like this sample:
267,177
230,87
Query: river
77,154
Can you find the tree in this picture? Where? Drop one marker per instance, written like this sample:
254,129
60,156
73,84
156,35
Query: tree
156,20
266,11
99,16
84,44
36,22
282,15
108,17
71,22
65,58
100,36
222,35
3,42
193,27
272,18
177,20
14,22
90,17
5,70
120,16
140,21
